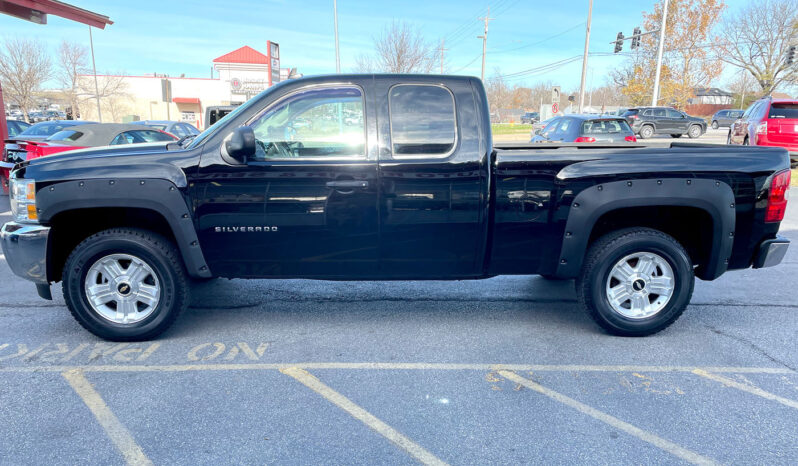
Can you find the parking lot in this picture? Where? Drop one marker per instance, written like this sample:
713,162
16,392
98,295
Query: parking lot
506,370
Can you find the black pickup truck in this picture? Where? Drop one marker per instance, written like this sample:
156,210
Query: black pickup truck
388,177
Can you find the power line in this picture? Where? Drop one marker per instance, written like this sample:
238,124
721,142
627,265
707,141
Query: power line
542,40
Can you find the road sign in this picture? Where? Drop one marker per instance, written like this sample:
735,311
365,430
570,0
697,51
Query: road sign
555,108
555,94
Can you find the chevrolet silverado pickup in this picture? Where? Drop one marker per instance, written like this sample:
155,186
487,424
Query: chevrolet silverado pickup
387,177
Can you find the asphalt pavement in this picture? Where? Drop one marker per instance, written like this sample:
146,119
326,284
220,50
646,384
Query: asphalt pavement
505,370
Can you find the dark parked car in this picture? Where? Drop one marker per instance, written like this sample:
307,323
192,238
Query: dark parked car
539,126
215,113
530,117
96,135
14,127
648,121
175,128
422,195
725,118
768,122
13,152
586,128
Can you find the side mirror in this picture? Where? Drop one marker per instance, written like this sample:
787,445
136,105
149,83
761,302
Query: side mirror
241,144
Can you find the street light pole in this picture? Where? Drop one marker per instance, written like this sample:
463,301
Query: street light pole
584,57
655,95
96,87
337,54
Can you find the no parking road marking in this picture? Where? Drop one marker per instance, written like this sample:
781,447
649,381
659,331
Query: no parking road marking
413,449
657,441
117,432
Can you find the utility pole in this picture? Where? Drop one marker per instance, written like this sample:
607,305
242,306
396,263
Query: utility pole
337,54
96,87
443,49
484,38
655,95
584,57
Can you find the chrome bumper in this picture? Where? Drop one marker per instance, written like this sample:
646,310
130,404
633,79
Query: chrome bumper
771,252
25,248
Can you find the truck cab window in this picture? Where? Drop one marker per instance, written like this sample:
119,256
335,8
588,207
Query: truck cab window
321,122
422,120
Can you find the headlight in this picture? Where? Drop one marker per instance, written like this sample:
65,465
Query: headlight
22,194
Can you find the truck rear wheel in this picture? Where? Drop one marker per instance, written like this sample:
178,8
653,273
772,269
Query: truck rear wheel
125,284
636,281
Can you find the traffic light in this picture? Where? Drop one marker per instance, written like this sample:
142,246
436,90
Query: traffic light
619,42
791,55
635,38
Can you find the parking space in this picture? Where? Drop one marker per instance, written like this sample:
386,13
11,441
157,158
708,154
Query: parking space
505,370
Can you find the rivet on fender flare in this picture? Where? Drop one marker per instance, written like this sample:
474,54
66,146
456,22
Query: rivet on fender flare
600,187
111,182
659,181
628,183
689,182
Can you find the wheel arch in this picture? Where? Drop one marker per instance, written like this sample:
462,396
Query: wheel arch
77,209
709,203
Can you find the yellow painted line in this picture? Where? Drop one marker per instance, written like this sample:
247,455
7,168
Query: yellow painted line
389,366
117,432
641,434
412,448
747,388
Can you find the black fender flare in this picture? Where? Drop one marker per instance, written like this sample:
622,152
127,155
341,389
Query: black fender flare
713,196
158,195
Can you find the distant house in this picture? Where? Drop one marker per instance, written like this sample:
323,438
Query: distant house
711,96
780,95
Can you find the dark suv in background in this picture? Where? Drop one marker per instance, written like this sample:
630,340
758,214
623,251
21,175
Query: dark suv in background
530,117
648,121
725,118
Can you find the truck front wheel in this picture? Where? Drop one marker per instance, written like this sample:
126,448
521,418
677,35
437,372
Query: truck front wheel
636,281
125,284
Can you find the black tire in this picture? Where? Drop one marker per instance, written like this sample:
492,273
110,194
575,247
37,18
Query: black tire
608,250
728,138
676,136
695,131
646,132
745,141
157,252
715,125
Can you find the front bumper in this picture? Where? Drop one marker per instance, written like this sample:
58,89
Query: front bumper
771,252
25,248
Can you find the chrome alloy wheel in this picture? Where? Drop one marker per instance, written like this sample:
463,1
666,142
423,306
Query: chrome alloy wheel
640,285
122,288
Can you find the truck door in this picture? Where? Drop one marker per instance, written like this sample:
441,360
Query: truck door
306,204
433,180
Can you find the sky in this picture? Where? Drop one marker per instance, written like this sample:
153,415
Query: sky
183,37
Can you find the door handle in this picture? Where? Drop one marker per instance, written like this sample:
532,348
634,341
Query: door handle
348,184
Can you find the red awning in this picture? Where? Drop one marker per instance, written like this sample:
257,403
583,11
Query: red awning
186,100
37,11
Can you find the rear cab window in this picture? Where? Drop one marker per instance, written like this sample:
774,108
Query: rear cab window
423,120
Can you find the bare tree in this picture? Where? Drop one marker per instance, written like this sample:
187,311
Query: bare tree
24,67
401,48
757,38
71,64
744,88
112,91
500,94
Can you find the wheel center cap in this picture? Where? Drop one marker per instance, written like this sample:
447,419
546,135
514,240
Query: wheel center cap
123,289
639,284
